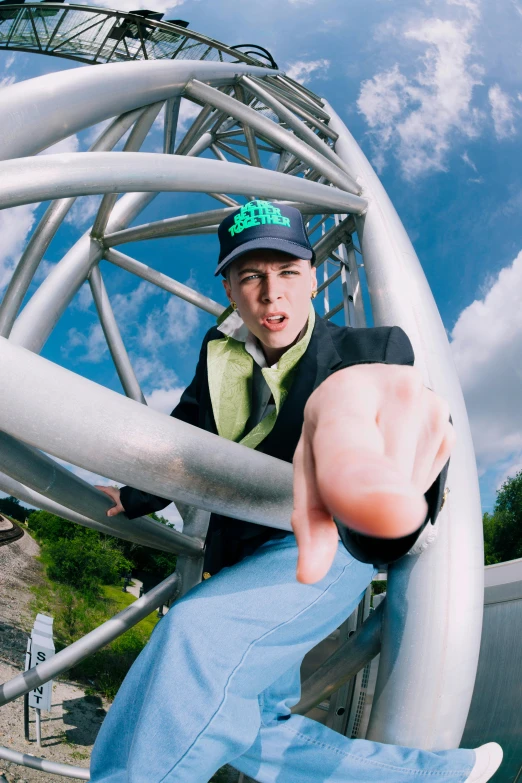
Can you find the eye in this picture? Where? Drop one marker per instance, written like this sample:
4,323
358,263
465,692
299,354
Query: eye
249,277
289,272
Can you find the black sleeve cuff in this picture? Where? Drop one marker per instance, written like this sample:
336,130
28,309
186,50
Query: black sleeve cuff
382,551
137,503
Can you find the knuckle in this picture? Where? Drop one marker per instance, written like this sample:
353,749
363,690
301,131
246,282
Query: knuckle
408,384
438,416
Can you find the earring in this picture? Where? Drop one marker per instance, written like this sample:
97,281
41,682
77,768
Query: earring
233,305
313,294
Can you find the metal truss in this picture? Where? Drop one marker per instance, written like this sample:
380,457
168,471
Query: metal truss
93,35
259,134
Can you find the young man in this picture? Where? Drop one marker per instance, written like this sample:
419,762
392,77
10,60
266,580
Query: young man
369,445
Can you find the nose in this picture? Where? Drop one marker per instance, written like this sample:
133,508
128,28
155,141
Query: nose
271,289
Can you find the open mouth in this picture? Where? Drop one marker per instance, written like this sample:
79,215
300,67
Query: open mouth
275,321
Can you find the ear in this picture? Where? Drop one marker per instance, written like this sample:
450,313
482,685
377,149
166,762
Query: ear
228,290
313,278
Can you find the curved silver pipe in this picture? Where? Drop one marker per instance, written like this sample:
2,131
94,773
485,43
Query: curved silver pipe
104,93
27,180
342,665
53,176
168,227
113,336
433,620
51,767
298,126
47,228
46,476
22,492
38,318
90,643
116,437
163,281
273,132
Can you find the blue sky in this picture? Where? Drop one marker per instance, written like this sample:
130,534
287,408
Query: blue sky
433,93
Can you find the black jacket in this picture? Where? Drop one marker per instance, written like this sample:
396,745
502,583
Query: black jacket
331,348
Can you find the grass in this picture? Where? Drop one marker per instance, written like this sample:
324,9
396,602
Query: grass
76,614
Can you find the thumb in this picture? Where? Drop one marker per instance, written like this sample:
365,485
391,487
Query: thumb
317,540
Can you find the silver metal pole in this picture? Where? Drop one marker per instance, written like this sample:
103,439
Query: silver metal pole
113,336
93,641
38,318
295,105
332,239
158,453
46,476
172,107
298,126
273,132
433,620
104,93
51,767
248,132
38,713
27,180
136,138
163,281
342,665
22,492
47,228
181,224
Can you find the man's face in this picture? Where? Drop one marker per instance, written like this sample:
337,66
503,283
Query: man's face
272,292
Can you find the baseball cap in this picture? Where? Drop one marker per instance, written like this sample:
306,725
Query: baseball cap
262,225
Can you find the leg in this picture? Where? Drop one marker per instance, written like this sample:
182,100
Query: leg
294,749
190,702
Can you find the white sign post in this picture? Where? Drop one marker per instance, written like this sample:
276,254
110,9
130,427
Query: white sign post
40,647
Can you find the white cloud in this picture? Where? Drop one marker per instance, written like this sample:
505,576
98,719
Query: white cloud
304,70
501,112
188,112
15,225
164,400
153,373
92,344
467,160
487,348
83,210
418,116
174,323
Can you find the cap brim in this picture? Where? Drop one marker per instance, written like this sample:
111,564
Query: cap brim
266,243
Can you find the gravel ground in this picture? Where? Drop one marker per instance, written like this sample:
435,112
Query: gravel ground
69,730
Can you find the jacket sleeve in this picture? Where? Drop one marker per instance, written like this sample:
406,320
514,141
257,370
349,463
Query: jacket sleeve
138,503
380,551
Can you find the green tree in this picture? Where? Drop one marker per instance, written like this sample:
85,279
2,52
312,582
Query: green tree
85,564
13,508
503,528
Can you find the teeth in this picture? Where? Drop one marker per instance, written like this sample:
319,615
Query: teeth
275,318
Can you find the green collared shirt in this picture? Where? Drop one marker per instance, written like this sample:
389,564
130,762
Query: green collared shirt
230,378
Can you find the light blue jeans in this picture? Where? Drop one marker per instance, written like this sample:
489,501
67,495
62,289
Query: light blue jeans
217,679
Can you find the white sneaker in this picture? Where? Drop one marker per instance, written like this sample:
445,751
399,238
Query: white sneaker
488,760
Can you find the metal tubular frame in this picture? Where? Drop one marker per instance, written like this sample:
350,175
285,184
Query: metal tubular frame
163,281
274,133
113,336
47,228
93,641
42,474
133,144
168,457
